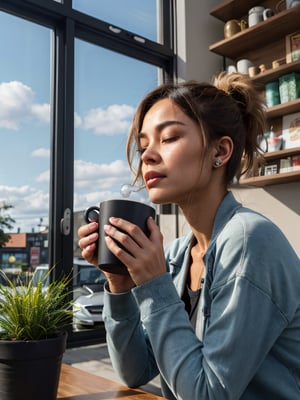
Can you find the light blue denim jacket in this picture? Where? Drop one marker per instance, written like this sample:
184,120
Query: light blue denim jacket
247,340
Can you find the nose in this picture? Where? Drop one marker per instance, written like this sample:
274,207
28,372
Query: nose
150,155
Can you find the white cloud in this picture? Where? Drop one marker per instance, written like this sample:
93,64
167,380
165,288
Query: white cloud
41,112
43,177
41,152
90,175
98,182
114,120
17,106
29,205
77,120
93,183
82,201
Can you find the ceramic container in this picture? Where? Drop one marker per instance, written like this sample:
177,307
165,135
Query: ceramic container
243,65
267,13
292,3
272,94
255,15
231,28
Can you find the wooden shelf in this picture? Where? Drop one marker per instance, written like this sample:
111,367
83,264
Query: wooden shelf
259,35
262,44
274,179
279,110
273,74
233,9
275,155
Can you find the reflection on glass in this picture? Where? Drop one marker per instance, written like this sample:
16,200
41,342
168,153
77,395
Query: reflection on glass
108,87
24,136
136,16
88,284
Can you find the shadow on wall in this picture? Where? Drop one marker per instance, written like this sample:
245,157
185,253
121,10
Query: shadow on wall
288,194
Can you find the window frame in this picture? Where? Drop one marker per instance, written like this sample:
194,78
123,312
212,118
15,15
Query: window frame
68,24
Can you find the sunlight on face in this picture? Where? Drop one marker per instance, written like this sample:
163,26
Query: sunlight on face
171,154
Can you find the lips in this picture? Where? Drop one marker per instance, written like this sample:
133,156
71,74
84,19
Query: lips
152,177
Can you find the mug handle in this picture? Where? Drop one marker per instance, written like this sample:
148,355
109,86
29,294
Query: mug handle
267,13
91,214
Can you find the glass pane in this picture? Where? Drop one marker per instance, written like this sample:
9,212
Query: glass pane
108,87
25,138
140,17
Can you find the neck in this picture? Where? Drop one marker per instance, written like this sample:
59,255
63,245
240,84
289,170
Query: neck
200,214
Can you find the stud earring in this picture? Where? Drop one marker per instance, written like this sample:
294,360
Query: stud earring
217,162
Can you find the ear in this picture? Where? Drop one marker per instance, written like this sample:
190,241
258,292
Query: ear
223,149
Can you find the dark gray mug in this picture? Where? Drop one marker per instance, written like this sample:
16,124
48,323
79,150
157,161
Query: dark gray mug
133,211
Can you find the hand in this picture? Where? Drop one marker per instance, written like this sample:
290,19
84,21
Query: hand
143,256
88,237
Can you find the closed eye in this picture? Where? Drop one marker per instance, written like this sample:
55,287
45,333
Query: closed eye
170,139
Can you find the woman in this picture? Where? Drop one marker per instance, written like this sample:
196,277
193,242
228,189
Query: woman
217,313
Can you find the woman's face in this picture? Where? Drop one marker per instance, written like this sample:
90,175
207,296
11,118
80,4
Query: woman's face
173,164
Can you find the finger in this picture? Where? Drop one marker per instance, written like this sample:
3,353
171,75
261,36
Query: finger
87,234
88,252
121,253
86,229
88,240
128,241
131,229
155,234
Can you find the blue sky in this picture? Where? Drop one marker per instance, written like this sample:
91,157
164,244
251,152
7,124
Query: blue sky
108,88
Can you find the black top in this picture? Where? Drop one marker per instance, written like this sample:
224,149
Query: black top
191,301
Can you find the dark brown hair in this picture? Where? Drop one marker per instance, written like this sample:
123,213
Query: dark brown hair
231,106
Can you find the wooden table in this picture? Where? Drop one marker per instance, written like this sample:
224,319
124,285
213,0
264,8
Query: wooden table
76,384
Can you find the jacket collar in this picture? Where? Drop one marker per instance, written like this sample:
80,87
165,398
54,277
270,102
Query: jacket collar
180,259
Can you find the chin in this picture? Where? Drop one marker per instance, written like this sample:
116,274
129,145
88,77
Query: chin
157,196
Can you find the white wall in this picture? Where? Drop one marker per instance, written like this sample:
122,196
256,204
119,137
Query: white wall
196,30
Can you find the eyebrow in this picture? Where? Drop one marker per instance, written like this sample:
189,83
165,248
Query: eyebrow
161,126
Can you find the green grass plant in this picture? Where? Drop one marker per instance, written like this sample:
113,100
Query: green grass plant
30,312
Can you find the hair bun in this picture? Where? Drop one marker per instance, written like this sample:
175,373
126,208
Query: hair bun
238,86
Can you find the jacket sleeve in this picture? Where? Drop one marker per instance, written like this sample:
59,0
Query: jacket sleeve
129,348
247,314
127,340
253,295
238,338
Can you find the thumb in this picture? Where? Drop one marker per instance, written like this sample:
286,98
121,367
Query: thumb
155,234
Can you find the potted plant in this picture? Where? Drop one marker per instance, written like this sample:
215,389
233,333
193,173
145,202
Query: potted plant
33,323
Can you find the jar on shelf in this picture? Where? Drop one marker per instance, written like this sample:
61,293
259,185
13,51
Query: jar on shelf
292,3
255,15
274,141
272,96
289,87
231,28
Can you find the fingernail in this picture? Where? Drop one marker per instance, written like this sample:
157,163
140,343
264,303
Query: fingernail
106,228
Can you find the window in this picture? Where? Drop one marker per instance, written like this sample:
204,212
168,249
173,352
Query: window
70,72
25,131
140,17
108,87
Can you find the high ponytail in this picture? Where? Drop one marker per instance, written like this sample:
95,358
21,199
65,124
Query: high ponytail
250,102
